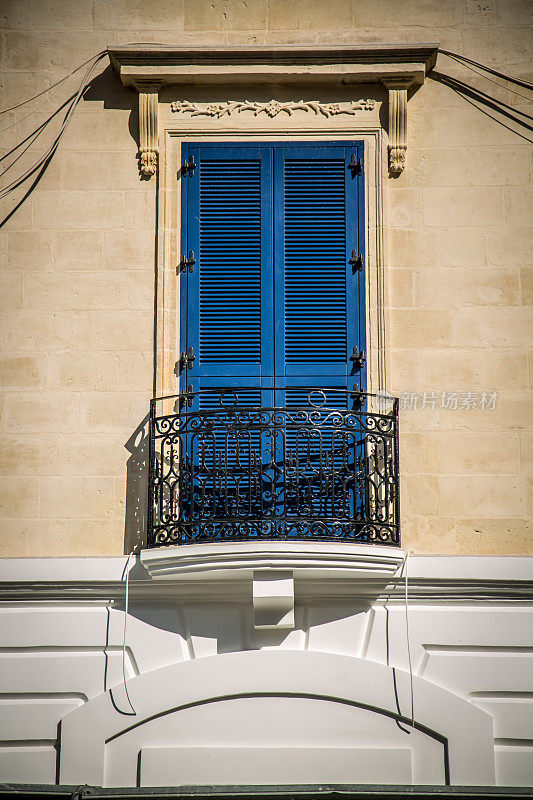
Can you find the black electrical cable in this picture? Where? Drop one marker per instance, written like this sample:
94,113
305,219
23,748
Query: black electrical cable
58,83
458,86
35,96
53,147
459,57
44,160
485,98
35,133
470,95
486,78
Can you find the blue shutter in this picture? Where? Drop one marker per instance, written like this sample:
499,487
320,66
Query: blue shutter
273,298
319,313
273,301
229,297
319,317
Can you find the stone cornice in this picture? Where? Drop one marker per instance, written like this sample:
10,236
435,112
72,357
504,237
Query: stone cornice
170,64
149,68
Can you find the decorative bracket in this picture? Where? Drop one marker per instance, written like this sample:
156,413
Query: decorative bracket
148,134
273,600
150,68
397,121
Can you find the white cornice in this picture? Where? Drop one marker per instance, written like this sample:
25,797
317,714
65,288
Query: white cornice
313,560
435,579
271,571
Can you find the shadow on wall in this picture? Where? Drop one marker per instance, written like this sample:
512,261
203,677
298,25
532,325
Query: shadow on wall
105,87
136,516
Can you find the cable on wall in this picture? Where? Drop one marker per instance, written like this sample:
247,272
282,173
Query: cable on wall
126,603
44,91
476,98
408,639
485,68
404,574
43,161
53,147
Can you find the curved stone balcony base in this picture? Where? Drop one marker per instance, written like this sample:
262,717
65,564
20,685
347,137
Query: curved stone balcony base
274,572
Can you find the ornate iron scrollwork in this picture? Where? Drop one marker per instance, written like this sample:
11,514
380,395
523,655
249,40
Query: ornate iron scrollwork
225,471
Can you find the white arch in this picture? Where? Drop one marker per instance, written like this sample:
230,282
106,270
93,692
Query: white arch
466,730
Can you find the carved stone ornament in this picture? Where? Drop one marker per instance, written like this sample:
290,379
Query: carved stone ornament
272,108
397,122
148,136
150,67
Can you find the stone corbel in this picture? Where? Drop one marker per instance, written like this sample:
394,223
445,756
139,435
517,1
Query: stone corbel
397,121
148,134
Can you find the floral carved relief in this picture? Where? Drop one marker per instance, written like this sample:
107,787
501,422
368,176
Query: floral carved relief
271,108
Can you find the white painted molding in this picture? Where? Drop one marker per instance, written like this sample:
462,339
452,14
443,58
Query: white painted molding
436,579
398,88
273,600
148,132
270,569
86,731
228,561
271,108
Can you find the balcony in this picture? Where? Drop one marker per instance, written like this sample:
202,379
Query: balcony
225,470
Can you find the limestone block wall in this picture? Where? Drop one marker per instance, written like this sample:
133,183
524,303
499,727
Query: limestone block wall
78,270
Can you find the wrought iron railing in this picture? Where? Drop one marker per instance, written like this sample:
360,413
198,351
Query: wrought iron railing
222,469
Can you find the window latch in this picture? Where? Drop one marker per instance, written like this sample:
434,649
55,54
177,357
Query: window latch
187,358
187,262
358,357
356,261
188,167
355,165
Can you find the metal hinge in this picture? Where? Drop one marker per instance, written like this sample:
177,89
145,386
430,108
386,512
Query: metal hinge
356,261
188,167
357,396
358,357
355,165
186,397
187,262
187,358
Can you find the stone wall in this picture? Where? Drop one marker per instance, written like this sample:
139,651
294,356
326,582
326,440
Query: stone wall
78,262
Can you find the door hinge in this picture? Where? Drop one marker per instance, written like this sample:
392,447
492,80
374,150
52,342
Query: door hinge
186,397
187,358
356,261
187,167
187,262
355,165
357,397
358,357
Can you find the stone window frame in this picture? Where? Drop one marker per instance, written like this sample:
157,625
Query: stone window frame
224,94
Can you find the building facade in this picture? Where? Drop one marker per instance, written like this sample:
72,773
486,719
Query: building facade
276,218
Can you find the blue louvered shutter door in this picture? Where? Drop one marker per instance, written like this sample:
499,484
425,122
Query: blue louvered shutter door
229,326
229,294
320,318
319,295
